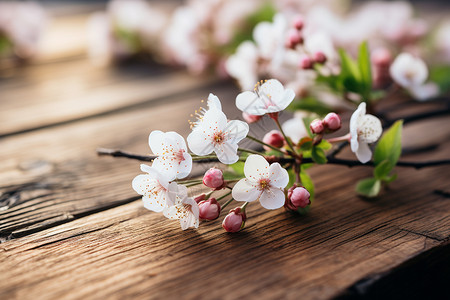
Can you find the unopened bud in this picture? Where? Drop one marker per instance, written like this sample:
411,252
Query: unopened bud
316,126
213,178
332,122
305,62
298,22
273,138
319,57
381,57
209,209
235,220
299,197
251,118
200,198
294,38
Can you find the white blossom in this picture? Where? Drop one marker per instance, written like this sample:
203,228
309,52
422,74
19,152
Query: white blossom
263,182
214,133
173,158
408,71
154,188
269,97
243,65
181,207
364,129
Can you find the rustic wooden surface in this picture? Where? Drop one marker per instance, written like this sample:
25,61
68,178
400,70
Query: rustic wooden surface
71,226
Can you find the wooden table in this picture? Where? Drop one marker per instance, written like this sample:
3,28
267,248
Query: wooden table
71,226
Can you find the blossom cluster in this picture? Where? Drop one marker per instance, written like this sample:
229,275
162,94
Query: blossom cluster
164,184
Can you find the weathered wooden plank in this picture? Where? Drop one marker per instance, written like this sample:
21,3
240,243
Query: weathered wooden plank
53,175
129,252
52,94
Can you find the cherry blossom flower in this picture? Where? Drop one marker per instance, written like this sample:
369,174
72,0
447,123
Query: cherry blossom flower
364,129
213,132
269,97
154,188
263,182
181,207
173,158
408,71
243,65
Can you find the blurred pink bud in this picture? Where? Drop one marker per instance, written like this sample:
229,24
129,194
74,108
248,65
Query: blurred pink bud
273,138
234,221
319,57
332,121
299,197
316,126
209,209
200,198
213,178
294,38
381,57
298,22
251,118
305,62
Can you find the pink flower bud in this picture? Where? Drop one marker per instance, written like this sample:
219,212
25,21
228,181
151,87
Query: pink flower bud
251,118
200,198
305,62
316,126
234,221
213,178
298,22
273,138
294,38
209,209
299,197
319,57
332,121
381,57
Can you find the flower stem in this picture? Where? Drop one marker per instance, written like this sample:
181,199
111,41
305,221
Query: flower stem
338,139
244,206
223,196
262,143
248,151
288,141
226,204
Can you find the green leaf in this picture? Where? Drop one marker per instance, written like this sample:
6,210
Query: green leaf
318,155
306,146
365,70
324,145
390,145
292,178
303,211
439,75
307,121
390,179
382,170
369,187
307,183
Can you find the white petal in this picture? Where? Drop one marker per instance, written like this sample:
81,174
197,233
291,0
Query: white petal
272,199
155,203
425,92
236,131
278,176
166,166
408,70
244,190
143,184
363,153
369,129
189,221
199,142
175,212
295,129
250,103
273,89
194,206
175,140
214,102
287,98
354,122
156,141
185,166
227,153
146,168
255,167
